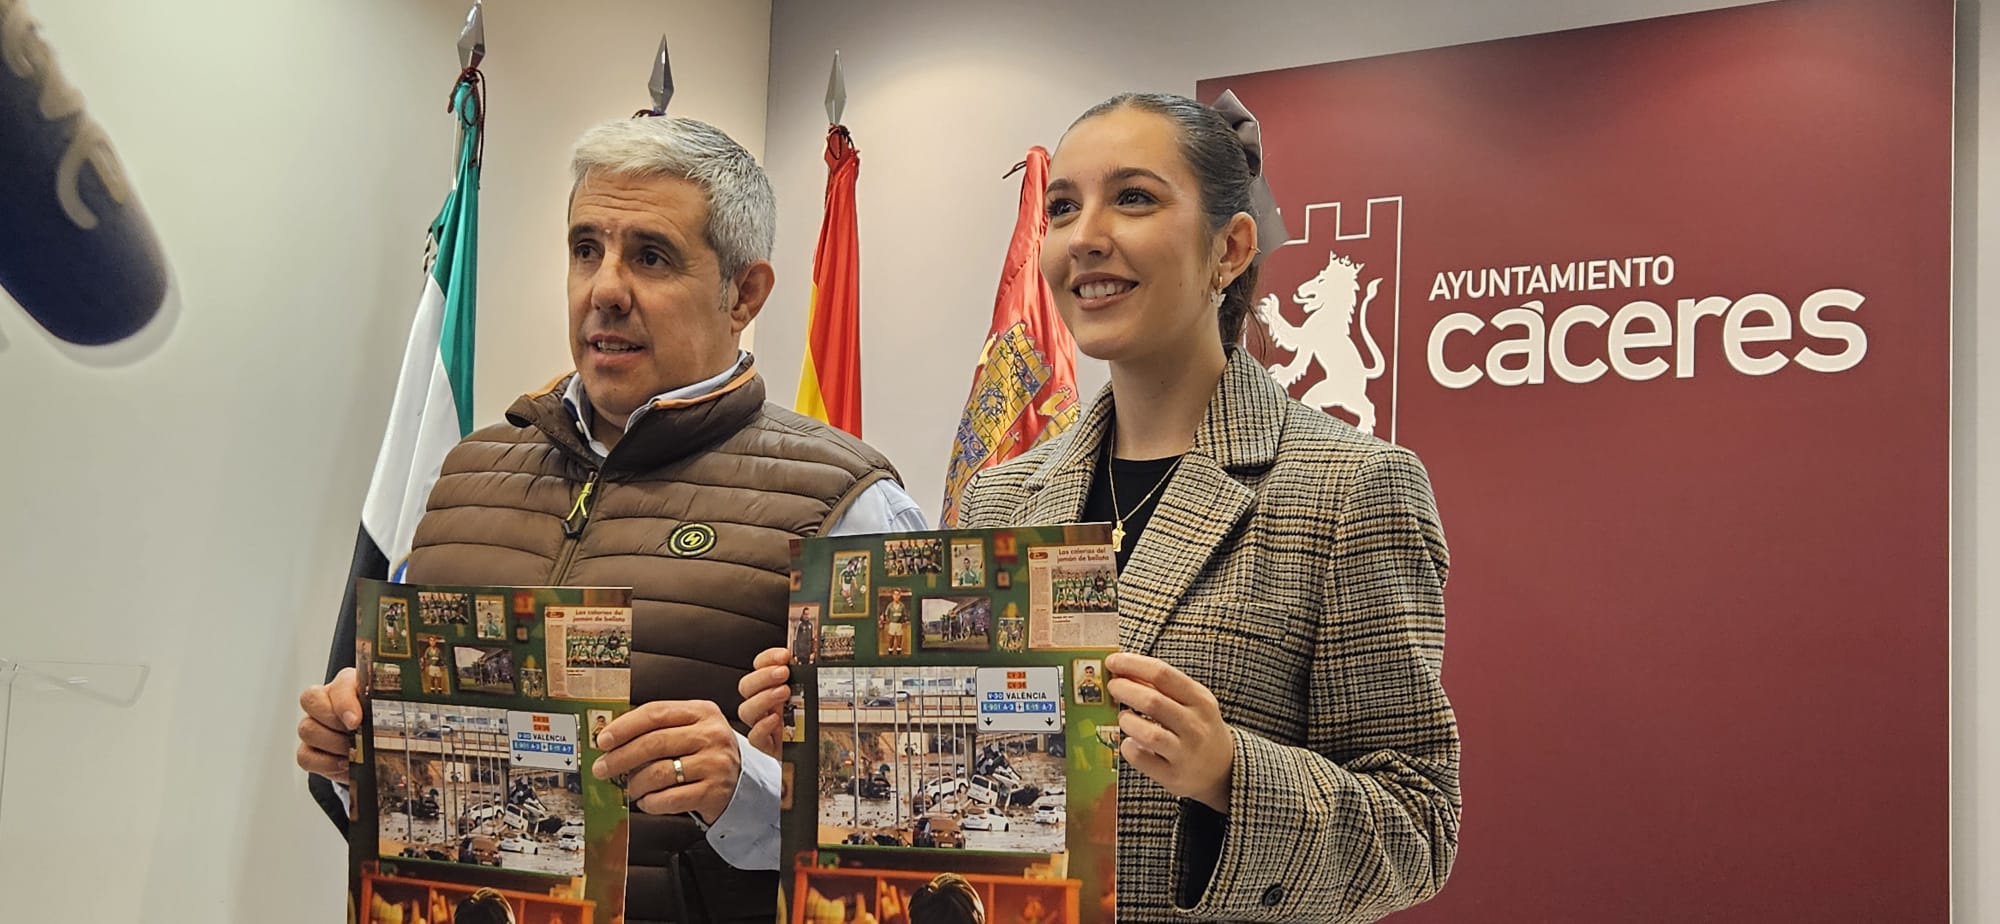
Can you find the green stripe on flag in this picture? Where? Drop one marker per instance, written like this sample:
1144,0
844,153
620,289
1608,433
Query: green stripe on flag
456,268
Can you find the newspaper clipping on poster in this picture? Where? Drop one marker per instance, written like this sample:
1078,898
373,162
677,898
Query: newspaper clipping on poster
1073,597
590,652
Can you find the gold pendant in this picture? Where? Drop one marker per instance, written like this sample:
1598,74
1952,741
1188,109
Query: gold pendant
1118,535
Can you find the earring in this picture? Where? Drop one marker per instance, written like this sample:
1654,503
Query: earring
1215,296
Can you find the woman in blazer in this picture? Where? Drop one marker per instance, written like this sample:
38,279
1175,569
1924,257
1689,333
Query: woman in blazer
1289,753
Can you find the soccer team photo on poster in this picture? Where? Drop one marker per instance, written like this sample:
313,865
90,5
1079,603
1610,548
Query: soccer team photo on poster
936,738
470,771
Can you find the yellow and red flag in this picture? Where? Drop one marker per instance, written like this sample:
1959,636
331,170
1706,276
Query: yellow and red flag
1024,390
830,384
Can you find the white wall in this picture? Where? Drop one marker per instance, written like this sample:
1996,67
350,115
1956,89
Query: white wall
195,509
943,97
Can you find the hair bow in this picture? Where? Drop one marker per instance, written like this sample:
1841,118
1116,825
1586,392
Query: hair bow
1271,233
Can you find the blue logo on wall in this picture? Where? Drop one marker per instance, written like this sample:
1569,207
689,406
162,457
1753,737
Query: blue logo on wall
76,249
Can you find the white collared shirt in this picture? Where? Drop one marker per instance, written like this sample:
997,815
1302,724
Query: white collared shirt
580,409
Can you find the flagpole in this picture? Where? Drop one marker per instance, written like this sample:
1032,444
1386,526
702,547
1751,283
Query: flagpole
830,370
432,408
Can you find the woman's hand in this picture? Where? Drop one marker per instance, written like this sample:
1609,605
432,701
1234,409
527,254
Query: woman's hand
1174,732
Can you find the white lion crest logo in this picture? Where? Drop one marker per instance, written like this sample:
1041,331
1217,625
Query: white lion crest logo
1328,336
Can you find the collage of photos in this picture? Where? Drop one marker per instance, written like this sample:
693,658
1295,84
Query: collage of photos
903,763
918,602
448,789
481,705
948,707
444,665
907,619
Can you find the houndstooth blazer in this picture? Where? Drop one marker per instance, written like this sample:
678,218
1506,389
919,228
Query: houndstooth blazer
1296,567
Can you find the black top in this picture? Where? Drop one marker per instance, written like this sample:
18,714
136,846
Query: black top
1136,498
1137,478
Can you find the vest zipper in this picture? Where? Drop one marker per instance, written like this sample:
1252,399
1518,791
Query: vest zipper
573,524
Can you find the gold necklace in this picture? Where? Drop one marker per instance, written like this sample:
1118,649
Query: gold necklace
1110,461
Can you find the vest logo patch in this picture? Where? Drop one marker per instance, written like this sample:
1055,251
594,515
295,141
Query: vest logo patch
691,540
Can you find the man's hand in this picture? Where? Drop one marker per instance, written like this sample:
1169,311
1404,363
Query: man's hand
646,743
326,734
1173,729
765,691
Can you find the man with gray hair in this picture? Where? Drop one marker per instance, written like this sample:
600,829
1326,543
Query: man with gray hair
656,465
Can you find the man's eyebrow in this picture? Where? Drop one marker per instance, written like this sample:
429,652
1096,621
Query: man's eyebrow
584,229
659,240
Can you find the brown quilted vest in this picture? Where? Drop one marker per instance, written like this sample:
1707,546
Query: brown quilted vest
505,512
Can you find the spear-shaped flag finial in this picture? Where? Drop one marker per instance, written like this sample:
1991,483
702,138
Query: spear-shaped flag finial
836,91
662,84
472,39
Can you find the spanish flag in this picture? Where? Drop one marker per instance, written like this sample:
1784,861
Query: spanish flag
830,385
1024,390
